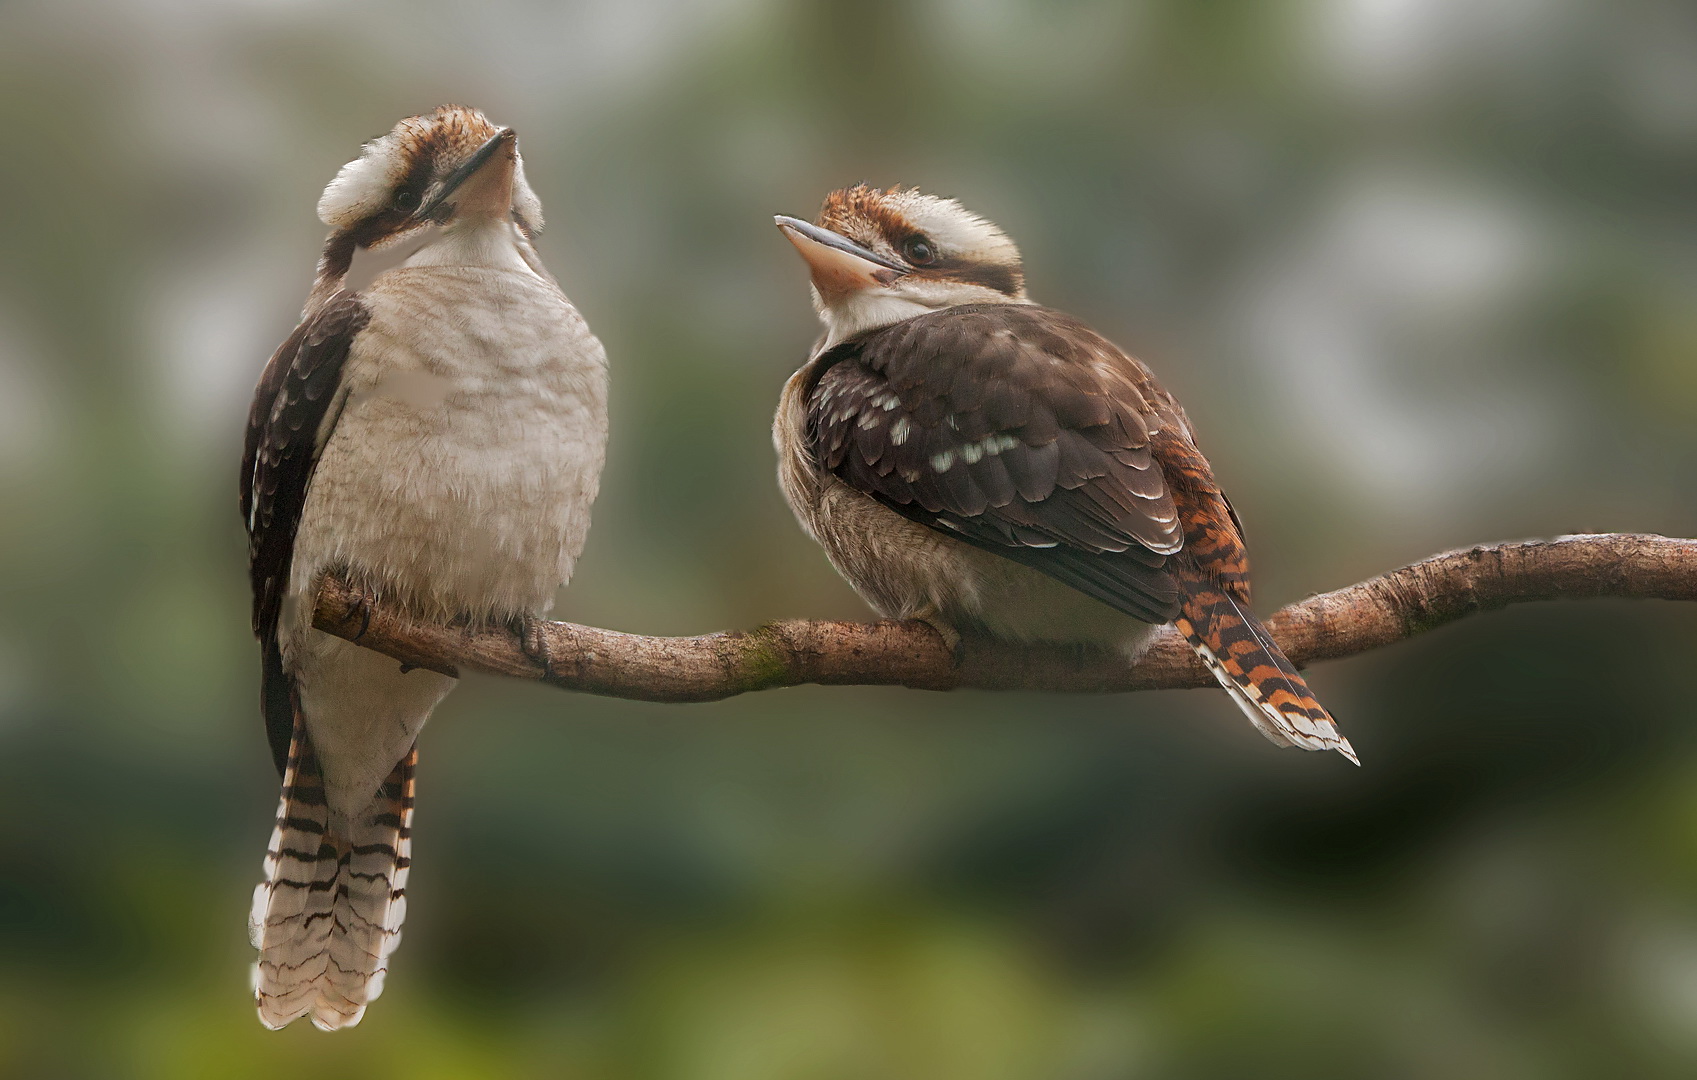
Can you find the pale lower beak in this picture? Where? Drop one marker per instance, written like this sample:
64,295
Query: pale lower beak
483,184
839,265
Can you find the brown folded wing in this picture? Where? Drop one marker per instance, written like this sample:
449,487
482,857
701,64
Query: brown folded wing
292,414
1017,429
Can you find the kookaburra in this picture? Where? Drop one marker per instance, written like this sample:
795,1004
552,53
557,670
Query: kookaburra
998,468
437,439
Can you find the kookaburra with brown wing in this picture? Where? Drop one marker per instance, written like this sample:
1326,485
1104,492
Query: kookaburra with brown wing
437,439
995,467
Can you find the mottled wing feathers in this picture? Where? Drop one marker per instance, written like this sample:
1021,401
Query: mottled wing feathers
285,433
292,413
1014,428
1020,430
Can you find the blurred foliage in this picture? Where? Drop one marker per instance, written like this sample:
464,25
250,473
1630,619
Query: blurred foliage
1422,270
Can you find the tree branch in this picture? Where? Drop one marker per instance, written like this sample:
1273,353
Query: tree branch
1377,612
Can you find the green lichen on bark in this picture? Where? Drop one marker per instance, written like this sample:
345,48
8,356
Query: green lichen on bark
761,660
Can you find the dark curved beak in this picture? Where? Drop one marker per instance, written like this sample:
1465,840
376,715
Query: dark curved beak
839,265
501,145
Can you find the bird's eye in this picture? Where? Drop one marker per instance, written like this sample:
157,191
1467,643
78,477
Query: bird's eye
919,251
406,200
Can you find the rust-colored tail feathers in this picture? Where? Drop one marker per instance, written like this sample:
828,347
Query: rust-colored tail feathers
329,911
1251,666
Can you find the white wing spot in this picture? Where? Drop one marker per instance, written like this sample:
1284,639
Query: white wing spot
943,462
900,430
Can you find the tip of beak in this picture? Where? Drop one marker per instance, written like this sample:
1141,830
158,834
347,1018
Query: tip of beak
839,267
506,143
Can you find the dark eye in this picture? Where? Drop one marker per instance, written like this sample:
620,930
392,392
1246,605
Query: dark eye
405,200
919,251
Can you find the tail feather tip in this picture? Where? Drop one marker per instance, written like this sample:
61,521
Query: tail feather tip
1306,733
1347,751
1258,677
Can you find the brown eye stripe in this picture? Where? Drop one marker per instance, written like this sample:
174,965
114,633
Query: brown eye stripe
429,144
1008,280
849,211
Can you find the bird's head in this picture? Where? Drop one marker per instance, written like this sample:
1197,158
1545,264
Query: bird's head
450,167
878,257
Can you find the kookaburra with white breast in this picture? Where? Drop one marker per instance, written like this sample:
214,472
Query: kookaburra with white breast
998,468
437,440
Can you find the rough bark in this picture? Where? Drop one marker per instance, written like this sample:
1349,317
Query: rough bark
1368,615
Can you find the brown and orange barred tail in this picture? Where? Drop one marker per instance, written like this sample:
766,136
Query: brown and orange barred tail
329,911
1250,665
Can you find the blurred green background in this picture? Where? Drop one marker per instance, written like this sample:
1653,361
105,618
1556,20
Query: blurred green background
1425,273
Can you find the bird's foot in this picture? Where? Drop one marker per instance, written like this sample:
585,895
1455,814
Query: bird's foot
362,601
533,639
951,637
